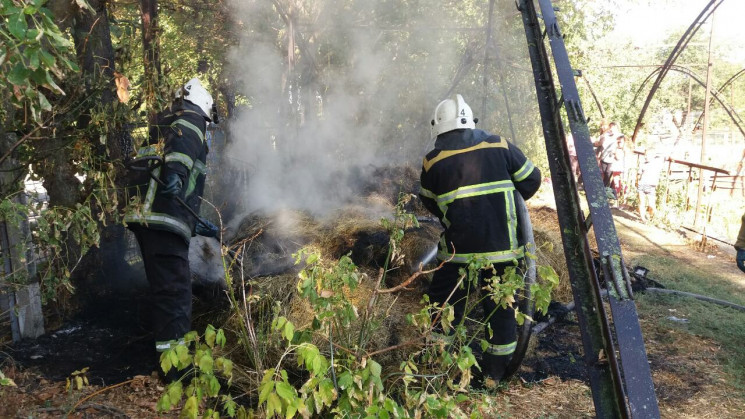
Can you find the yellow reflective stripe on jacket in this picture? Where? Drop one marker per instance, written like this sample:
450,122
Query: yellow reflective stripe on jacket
151,190
475,190
427,164
502,350
523,172
492,257
511,211
189,125
180,158
470,191
198,169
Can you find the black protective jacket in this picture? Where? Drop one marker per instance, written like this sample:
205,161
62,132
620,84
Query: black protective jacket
179,139
469,182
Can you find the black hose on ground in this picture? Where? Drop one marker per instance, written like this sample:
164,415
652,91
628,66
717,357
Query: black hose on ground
540,327
698,297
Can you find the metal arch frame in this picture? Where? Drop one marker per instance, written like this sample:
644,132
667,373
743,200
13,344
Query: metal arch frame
674,54
721,88
715,93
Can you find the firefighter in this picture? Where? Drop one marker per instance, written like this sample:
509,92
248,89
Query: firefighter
170,193
469,182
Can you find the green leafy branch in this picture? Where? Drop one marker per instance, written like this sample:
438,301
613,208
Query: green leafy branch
34,53
198,357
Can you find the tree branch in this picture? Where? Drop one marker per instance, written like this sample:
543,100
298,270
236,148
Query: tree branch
414,276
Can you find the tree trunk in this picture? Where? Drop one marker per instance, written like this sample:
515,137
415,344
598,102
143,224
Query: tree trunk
151,54
96,59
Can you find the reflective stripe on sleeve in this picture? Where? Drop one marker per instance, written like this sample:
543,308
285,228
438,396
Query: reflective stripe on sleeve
524,171
151,190
182,158
509,202
198,169
427,193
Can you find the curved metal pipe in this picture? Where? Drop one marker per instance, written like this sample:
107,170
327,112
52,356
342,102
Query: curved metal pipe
681,45
715,94
722,87
644,83
594,96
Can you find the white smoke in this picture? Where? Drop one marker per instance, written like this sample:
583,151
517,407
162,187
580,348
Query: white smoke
306,142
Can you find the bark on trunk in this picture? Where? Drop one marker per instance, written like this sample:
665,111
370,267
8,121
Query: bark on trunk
151,54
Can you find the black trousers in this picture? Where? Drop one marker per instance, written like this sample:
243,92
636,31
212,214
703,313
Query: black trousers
166,258
605,169
502,320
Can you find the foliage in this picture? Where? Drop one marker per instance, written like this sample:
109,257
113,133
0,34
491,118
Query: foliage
202,365
329,365
347,379
57,228
34,56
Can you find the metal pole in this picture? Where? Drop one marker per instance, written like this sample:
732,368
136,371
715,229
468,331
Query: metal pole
486,59
607,397
623,386
705,129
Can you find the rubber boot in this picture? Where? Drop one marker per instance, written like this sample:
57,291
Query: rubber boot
494,366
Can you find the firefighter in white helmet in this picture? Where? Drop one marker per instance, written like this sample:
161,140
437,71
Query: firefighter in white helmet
170,192
469,182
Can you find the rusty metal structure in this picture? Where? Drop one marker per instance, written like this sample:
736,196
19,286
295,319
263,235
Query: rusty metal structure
706,12
613,346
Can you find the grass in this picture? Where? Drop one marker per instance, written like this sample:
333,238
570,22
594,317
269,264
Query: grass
684,277
723,326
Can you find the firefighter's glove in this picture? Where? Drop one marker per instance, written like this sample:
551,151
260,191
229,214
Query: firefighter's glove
205,228
172,185
741,259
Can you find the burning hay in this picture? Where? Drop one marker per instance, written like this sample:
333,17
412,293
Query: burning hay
267,243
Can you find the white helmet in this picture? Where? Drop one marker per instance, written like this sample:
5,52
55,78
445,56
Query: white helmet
196,94
451,114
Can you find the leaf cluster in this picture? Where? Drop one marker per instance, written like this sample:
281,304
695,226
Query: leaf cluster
34,56
201,365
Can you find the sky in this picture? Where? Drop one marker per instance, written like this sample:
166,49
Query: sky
649,22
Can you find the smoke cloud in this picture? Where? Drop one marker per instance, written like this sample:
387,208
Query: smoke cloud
356,93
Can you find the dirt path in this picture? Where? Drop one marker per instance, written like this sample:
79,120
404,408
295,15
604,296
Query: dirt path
643,239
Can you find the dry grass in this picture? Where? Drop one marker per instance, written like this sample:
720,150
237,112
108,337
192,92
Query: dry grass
550,250
550,398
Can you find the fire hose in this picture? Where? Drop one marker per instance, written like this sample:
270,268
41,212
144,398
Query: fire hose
525,304
149,164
